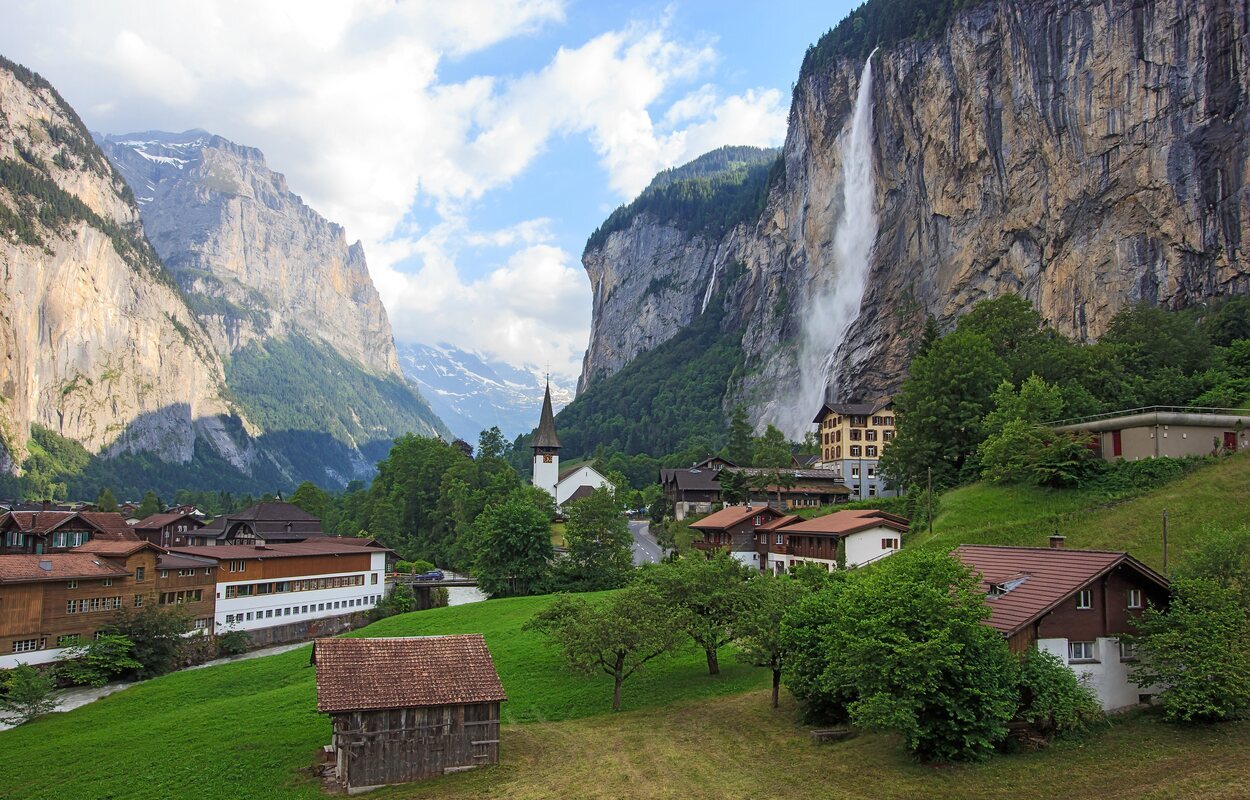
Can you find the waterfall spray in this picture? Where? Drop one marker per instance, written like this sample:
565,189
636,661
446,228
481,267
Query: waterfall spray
836,296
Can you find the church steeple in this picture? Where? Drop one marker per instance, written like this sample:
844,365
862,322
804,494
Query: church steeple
545,437
546,446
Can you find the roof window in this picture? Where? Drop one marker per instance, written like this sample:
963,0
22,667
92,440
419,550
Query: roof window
1000,589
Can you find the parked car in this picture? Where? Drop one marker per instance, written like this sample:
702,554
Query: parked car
432,575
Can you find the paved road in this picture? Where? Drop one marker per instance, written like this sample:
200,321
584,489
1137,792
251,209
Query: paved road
646,551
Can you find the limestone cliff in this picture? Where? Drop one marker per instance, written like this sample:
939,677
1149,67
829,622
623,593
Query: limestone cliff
255,261
96,344
1083,154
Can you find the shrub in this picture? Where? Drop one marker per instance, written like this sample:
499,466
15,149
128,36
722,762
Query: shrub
233,643
157,633
1199,649
413,567
1052,698
30,693
98,661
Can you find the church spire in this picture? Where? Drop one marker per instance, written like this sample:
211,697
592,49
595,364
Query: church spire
545,436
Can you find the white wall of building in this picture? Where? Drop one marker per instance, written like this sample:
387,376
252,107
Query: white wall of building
583,476
748,557
33,657
547,474
281,608
863,547
1107,674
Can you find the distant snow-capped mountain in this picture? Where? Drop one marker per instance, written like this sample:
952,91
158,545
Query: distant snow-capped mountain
471,392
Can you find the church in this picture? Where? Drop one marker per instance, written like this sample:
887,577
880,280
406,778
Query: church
571,484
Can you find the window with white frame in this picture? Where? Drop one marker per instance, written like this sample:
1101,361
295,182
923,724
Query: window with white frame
108,581
237,566
28,645
1085,599
1134,598
71,585
1080,651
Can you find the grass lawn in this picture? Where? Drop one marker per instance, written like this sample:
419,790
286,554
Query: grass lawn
1213,495
737,747
248,729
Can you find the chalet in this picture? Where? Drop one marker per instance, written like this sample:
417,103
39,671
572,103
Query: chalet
408,708
58,531
169,529
1075,604
286,586
190,582
805,488
50,601
695,490
269,522
733,529
1163,431
852,438
866,535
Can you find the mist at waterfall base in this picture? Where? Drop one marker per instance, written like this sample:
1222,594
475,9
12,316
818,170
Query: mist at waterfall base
837,293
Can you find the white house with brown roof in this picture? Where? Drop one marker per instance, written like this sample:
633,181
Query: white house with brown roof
1076,604
867,535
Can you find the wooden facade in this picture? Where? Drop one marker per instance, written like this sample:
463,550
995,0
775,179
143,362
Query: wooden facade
397,745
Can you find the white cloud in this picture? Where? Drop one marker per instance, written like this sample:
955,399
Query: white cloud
346,99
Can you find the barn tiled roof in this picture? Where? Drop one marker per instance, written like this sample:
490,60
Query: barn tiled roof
1039,578
361,674
28,567
729,516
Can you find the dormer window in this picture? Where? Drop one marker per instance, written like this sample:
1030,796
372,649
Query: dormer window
1000,589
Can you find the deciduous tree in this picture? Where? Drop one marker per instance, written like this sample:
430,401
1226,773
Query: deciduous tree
757,630
600,554
31,693
710,593
615,635
510,546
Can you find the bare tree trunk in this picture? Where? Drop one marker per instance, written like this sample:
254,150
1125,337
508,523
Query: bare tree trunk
776,685
713,664
616,693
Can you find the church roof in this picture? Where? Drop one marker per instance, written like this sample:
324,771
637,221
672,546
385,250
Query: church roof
546,436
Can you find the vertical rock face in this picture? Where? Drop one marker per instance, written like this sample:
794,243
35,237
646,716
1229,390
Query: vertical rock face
256,262
1086,155
95,342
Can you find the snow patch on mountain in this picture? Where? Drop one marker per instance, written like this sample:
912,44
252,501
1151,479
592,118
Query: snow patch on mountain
472,392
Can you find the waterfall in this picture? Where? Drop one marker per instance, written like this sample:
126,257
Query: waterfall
834,301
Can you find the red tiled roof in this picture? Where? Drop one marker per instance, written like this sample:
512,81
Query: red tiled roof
1050,576
780,522
111,547
844,523
321,546
357,674
25,567
729,516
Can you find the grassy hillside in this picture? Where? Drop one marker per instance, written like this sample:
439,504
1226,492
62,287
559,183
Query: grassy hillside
249,729
1213,495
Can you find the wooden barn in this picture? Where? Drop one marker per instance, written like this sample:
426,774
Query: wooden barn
408,708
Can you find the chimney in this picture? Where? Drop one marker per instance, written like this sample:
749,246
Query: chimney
1056,541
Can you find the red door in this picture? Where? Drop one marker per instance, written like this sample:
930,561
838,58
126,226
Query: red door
1230,441
1115,444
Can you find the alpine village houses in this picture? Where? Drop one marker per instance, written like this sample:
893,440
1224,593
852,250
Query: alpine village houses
63,575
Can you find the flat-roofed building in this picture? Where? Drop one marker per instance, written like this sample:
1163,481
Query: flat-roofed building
1163,431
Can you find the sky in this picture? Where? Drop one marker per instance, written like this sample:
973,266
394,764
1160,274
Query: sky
471,145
